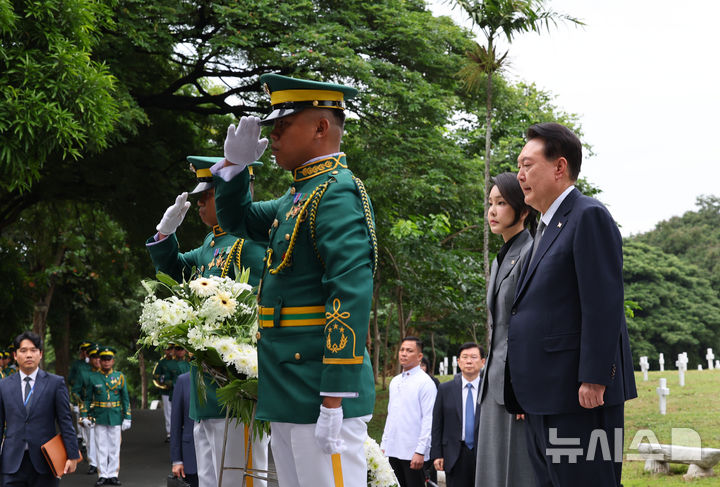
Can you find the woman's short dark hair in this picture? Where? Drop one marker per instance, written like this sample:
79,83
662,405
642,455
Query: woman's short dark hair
560,141
28,335
512,193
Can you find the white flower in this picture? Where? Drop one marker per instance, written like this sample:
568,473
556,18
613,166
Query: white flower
380,473
203,287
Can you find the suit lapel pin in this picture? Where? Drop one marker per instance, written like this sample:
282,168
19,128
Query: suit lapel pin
512,262
559,224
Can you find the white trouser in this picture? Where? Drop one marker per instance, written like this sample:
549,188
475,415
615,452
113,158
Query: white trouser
91,447
208,436
108,440
167,410
300,462
85,432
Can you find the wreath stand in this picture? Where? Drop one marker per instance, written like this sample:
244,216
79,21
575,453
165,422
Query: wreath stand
248,471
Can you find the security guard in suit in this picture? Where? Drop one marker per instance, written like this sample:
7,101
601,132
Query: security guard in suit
219,255
108,407
316,291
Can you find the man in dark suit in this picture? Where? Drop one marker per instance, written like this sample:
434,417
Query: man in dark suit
455,419
182,445
568,349
31,403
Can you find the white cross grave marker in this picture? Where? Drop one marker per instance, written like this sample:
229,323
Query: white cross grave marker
663,392
661,361
454,362
710,357
644,366
681,364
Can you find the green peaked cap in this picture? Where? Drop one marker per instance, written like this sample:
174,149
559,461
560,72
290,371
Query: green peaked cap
291,95
201,165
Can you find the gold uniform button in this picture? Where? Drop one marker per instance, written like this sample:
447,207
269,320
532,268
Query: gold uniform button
275,223
287,236
297,356
212,244
292,190
257,336
334,173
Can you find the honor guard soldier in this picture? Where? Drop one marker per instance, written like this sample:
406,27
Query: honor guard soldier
162,379
78,393
219,255
5,369
82,364
84,392
108,406
316,382
11,367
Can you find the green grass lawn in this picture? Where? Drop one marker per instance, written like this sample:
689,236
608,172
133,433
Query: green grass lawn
695,406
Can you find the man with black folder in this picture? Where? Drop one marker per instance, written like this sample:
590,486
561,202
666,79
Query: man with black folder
31,403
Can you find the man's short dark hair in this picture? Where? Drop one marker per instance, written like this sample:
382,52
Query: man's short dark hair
560,141
28,335
417,341
467,345
339,116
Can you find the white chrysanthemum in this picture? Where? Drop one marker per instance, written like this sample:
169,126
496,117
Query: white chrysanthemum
380,473
221,306
244,358
203,287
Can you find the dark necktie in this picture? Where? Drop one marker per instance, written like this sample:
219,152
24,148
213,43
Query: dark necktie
469,418
538,237
27,392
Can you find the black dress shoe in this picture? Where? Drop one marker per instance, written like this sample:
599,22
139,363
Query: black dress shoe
101,481
113,481
92,470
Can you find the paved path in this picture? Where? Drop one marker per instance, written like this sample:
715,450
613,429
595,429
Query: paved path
144,456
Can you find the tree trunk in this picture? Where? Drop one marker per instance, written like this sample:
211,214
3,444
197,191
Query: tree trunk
488,141
61,342
42,306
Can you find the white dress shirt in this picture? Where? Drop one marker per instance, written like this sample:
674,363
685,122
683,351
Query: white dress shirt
475,388
550,213
409,421
32,376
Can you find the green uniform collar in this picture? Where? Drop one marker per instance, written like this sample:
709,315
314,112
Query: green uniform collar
320,166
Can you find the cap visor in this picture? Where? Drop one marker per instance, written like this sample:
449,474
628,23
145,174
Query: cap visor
201,187
275,114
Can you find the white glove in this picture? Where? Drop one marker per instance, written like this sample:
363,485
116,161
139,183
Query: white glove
242,145
174,215
86,422
125,425
327,430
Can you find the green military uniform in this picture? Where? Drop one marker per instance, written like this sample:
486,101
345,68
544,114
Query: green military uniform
219,253
107,401
162,375
316,289
78,369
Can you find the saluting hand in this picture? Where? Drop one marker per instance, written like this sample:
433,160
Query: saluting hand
173,216
242,144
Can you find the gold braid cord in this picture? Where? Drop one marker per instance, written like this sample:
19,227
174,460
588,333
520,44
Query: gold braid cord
300,218
237,250
369,220
313,216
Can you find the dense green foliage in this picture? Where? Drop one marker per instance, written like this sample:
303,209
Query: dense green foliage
672,273
165,78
